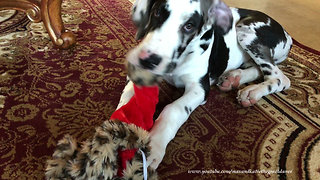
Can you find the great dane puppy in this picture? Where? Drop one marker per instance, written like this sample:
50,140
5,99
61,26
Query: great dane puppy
196,43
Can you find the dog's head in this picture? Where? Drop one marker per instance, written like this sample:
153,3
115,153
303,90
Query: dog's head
166,29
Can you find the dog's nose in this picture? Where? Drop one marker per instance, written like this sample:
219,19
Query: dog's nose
144,54
149,60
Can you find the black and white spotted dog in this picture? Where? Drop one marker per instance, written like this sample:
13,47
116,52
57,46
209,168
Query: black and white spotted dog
197,43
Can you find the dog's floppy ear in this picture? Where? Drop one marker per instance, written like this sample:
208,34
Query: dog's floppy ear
219,14
140,15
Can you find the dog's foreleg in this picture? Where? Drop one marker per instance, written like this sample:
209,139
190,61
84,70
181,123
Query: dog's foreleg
171,119
235,78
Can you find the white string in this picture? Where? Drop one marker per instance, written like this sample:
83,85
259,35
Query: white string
144,159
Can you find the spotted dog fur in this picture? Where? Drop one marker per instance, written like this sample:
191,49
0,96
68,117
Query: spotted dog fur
198,43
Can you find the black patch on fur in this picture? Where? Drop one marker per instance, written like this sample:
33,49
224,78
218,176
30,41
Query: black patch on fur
200,24
266,73
197,22
269,88
127,81
186,109
186,37
268,35
174,54
256,49
219,57
134,8
157,21
278,82
150,62
190,52
248,17
204,46
181,50
171,67
272,35
142,24
265,66
190,39
205,83
207,35
150,21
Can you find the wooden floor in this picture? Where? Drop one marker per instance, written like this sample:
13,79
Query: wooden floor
301,18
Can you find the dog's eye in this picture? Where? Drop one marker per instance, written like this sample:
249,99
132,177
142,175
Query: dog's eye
188,27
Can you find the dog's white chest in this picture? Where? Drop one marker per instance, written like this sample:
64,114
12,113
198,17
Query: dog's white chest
174,80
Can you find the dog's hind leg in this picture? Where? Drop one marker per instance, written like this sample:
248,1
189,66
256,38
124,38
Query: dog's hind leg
267,44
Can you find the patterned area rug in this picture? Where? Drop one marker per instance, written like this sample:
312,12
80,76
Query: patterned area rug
46,93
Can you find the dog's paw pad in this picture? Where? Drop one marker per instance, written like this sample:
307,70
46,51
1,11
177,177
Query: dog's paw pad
228,83
248,102
249,95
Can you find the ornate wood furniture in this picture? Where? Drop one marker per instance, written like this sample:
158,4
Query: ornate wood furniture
49,11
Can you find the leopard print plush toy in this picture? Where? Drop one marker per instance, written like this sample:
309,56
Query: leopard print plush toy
118,148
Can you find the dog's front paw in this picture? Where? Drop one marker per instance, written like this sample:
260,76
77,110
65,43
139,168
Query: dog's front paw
229,80
158,150
249,95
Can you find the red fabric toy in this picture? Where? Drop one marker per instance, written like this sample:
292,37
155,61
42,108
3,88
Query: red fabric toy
141,107
139,111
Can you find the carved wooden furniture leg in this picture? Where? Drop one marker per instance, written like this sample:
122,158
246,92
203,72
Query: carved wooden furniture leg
49,13
30,7
51,17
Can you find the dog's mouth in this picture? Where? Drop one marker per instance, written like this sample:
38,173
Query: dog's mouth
141,76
